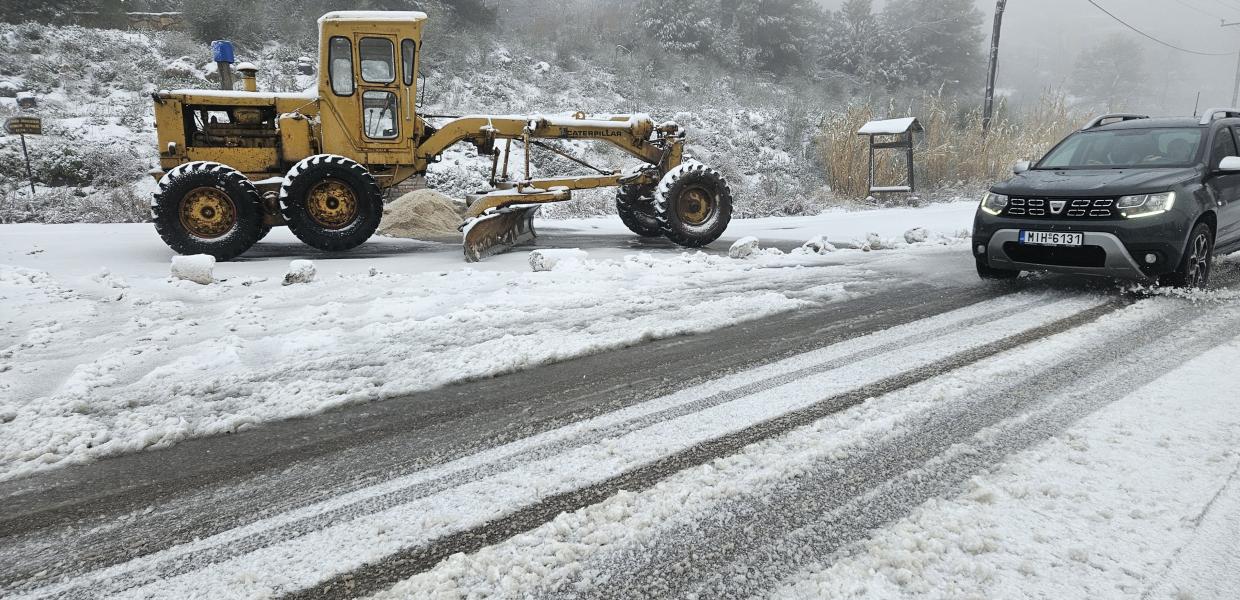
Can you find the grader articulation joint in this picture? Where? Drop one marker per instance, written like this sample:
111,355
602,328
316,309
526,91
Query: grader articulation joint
233,164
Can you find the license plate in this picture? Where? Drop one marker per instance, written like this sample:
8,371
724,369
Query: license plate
1052,238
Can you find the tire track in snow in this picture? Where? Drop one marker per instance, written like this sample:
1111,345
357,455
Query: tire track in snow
377,576
406,489
747,545
102,533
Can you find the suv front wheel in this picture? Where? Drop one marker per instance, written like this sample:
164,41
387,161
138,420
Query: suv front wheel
1194,271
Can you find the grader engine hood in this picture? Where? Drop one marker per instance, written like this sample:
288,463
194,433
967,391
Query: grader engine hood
244,129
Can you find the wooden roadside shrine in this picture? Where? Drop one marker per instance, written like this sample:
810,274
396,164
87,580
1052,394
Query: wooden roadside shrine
892,134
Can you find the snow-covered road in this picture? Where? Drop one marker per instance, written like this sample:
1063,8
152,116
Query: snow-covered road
856,424
103,354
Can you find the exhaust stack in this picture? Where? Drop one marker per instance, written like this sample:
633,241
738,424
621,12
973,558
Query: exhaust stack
249,76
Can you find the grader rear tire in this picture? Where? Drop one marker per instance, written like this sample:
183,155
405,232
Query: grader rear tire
207,208
693,204
635,204
331,202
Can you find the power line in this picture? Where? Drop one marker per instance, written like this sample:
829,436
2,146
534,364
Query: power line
1227,5
1152,38
1200,10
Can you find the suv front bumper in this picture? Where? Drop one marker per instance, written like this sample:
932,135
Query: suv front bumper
1103,254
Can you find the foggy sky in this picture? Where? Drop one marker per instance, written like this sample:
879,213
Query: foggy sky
1042,39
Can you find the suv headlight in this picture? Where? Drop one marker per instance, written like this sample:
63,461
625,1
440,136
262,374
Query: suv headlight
994,203
1145,205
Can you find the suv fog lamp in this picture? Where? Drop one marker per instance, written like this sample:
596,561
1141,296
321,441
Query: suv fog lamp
1145,205
1151,258
994,203
981,249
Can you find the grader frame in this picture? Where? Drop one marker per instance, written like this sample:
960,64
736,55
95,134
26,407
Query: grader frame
318,162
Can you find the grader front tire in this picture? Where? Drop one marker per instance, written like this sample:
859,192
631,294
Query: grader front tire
331,202
693,204
635,205
207,208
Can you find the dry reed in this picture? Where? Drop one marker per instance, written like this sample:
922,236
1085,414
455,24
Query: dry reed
951,154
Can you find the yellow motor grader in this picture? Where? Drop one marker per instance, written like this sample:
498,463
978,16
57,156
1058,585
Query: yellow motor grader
234,164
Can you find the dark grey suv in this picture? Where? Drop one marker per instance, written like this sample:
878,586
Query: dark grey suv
1127,197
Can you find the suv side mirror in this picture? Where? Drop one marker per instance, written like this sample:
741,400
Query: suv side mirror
1229,164
1020,167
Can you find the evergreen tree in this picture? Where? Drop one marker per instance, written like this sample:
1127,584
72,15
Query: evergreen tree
1111,73
45,11
943,38
858,42
685,26
780,32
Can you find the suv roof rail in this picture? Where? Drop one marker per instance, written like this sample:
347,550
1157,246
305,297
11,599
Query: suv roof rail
1228,113
1096,121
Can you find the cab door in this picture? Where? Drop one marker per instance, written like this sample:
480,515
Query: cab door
385,133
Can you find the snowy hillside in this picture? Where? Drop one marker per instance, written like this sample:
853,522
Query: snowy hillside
93,89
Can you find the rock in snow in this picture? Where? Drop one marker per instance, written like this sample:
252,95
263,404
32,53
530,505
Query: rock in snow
819,245
916,235
546,260
744,247
196,268
299,271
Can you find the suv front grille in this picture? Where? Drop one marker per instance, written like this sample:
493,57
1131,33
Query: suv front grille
1082,256
1073,208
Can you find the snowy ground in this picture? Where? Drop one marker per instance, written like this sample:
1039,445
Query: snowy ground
103,353
1043,440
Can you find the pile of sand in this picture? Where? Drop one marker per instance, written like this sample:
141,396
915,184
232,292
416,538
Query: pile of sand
423,215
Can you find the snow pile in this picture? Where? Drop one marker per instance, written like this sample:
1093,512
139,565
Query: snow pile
744,247
546,260
873,241
916,235
196,268
423,215
818,245
299,271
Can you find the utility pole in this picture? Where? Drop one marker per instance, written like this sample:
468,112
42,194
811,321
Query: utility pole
988,109
1235,90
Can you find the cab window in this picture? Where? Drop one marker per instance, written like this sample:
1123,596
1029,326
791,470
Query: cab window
407,49
378,60
340,65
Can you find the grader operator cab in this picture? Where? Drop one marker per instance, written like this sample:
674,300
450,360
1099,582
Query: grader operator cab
234,164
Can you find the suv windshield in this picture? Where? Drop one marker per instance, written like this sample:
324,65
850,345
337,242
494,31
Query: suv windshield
1126,148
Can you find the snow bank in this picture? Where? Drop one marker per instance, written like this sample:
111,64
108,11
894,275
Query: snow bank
196,268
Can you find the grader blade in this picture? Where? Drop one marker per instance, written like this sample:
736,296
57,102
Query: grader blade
498,232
